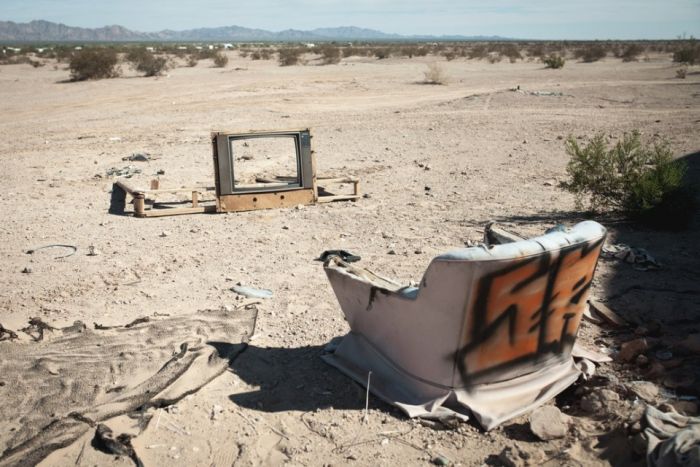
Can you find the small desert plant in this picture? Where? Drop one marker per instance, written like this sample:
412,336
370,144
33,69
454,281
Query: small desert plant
220,60
591,53
192,60
688,54
147,63
93,63
478,52
631,52
435,74
382,52
554,61
256,55
681,73
330,54
289,56
641,181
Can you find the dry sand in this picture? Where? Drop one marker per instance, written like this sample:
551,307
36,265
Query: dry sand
492,153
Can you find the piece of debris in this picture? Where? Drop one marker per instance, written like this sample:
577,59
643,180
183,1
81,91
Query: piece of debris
389,334
639,257
27,270
92,251
440,460
138,157
105,441
133,323
671,439
644,390
549,423
604,312
55,245
251,292
164,233
77,327
630,349
160,172
36,329
7,334
551,182
126,172
344,255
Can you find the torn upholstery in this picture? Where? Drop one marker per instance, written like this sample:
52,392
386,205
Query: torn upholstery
489,331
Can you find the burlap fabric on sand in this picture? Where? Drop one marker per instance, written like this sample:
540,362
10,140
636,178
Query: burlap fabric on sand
57,389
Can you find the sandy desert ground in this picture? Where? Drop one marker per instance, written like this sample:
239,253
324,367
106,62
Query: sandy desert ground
492,153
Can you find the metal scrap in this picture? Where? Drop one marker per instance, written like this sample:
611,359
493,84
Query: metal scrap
55,245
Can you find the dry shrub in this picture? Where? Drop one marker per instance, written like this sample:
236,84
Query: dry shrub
689,53
478,52
93,63
435,74
382,52
220,60
590,53
147,63
631,52
330,54
289,56
681,73
192,60
256,55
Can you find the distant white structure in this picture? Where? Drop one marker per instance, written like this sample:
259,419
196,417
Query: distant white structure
310,45
211,47
181,47
228,46
151,49
78,47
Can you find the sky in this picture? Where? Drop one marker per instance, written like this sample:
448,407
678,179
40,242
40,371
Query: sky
524,19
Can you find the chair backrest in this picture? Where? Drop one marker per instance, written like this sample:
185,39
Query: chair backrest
524,301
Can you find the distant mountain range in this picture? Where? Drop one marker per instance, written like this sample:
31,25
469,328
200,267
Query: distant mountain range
46,31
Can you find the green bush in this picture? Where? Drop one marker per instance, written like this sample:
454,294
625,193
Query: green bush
641,181
554,61
93,63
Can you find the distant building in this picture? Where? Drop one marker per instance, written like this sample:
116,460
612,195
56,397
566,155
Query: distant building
310,45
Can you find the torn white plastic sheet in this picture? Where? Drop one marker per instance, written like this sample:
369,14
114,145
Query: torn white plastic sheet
489,331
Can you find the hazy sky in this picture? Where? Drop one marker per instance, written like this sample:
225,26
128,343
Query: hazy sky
536,19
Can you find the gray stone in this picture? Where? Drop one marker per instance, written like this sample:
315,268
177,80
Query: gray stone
548,423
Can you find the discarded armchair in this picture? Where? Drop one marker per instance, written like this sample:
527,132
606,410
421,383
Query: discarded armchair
489,331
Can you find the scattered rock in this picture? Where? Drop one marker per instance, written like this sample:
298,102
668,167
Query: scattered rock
548,423
418,251
164,233
216,412
426,188
512,457
391,252
629,350
598,399
27,270
92,251
551,182
441,460
644,390
160,172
